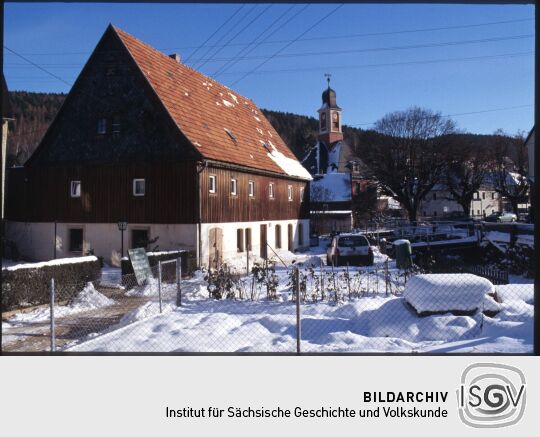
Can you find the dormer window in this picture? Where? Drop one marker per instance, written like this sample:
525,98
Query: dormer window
102,126
231,135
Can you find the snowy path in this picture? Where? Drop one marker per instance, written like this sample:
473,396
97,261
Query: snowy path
34,336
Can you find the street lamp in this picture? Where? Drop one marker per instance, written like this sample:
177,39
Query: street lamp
122,226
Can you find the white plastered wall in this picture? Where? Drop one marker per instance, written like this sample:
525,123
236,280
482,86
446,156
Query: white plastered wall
230,250
35,241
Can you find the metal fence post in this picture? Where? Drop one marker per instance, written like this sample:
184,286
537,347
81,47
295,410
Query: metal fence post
178,282
53,334
159,285
298,321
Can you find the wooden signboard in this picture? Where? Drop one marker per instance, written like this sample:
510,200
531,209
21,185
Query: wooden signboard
141,266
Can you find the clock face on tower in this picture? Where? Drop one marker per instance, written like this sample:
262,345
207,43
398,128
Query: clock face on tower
334,116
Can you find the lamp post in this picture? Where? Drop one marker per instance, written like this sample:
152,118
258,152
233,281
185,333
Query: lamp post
122,226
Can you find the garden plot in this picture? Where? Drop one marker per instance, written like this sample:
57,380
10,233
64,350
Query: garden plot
362,317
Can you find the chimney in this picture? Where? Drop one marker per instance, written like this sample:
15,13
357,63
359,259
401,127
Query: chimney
175,56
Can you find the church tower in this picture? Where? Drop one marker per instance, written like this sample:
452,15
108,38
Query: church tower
329,118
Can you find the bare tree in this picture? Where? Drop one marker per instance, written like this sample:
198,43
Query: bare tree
508,168
412,158
466,171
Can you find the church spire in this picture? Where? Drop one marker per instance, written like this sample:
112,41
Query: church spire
329,116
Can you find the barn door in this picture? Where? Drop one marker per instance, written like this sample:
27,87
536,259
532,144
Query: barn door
215,241
290,238
264,251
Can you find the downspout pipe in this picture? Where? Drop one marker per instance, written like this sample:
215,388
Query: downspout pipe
201,165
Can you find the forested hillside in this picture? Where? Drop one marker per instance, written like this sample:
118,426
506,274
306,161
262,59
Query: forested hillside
34,112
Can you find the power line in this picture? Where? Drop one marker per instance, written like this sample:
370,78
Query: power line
457,114
290,43
215,52
38,66
390,64
329,37
378,49
215,32
246,50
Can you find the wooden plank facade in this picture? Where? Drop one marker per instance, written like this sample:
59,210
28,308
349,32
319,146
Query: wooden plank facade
222,206
43,194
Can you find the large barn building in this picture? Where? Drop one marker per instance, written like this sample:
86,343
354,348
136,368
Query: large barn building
143,139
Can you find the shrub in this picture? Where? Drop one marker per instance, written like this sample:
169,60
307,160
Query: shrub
28,285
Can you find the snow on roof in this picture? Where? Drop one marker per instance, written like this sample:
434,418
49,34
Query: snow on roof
333,157
447,292
290,166
331,187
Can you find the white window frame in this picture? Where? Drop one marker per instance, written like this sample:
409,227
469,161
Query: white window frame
234,187
212,183
77,193
271,193
135,193
251,188
301,194
290,193
102,126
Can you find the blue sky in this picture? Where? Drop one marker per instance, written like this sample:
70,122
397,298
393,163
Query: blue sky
384,64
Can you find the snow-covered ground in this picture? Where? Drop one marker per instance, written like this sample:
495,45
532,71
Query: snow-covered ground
367,314
368,321
87,299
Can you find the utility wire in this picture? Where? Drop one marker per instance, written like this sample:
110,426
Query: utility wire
456,115
391,64
242,29
379,49
290,43
329,37
215,32
246,50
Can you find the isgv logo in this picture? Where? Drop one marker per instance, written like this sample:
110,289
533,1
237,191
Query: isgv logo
491,395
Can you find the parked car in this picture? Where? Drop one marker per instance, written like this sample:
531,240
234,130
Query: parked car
501,217
349,248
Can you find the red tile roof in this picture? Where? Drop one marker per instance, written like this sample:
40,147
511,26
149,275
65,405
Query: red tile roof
222,124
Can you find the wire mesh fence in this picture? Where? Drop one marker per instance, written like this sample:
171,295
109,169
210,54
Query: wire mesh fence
303,308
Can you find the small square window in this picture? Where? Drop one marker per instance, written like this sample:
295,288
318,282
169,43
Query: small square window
102,126
251,188
139,187
271,191
290,192
75,189
234,185
76,240
212,184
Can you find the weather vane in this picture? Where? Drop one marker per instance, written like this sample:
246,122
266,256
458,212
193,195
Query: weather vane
328,76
